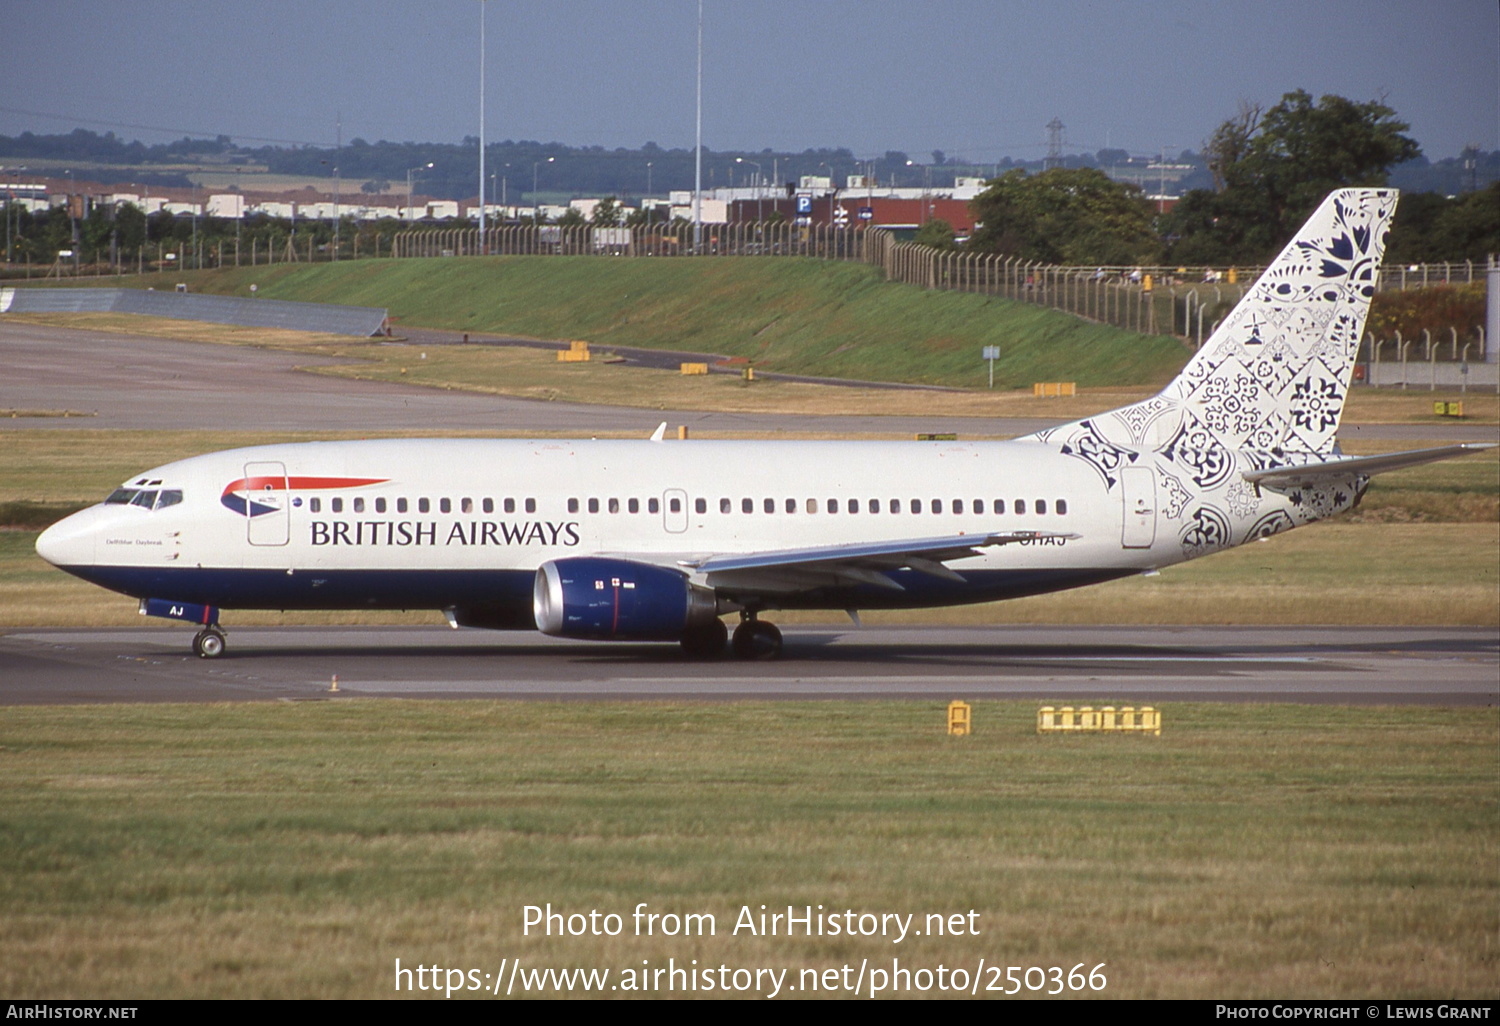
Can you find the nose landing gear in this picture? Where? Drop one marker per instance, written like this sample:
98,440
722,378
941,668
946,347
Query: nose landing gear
208,643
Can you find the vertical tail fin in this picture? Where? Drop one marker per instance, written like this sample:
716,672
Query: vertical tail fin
1273,376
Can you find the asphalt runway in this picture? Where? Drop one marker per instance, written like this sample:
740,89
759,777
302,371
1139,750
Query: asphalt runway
1079,665
132,381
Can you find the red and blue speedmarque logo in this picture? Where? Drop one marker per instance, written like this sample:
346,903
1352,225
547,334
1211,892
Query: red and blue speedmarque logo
239,496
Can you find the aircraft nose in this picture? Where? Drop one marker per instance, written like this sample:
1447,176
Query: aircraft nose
69,542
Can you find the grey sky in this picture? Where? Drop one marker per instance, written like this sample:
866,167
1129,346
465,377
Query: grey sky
975,78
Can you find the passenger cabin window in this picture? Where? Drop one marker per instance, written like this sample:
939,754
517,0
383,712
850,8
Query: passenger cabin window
510,505
315,505
593,505
572,505
380,505
401,506
1062,507
489,505
725,506
833,506
874,506
1041,505
445,505
812,505
337,505
769,505
466,505
747,505
531,505
916,505
653,505
614,505
958,505
791,505
634,505
359,504
1020,506
999,505
423,505
700,505
674,504
937,505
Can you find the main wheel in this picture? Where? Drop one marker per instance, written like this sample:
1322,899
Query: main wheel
706,641
208,643
756,639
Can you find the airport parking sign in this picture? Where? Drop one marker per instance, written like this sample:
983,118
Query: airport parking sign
804,205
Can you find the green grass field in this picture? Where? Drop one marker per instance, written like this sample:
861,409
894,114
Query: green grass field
298,849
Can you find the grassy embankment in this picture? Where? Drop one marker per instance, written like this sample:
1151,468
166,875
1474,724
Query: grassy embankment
789,315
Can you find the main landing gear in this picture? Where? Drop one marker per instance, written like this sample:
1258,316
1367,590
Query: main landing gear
209,643
753,639
756,639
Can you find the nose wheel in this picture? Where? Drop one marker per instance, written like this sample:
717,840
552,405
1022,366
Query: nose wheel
208,643
756,639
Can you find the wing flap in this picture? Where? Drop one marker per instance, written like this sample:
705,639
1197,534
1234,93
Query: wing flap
784,570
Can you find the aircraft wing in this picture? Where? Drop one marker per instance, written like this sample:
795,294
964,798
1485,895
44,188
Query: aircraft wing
1309,474
786,570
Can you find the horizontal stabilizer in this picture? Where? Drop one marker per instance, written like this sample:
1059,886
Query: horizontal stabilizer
1310,474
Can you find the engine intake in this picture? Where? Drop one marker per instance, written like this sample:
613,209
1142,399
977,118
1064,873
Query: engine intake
617,599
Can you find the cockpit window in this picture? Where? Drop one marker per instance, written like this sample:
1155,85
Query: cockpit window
144,498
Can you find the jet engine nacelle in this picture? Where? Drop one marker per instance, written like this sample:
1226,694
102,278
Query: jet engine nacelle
617,599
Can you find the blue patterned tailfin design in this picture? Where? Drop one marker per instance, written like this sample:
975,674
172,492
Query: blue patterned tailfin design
1272,378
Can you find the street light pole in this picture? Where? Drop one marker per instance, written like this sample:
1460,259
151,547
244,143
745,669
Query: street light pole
483,249
759,191
421,167
536,208
698,147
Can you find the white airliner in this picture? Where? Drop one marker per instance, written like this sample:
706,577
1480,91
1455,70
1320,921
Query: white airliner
656,540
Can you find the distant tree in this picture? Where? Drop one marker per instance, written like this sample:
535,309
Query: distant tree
607,213
1276,168
571,217
1064,216
939,158
1431,228
1230,142
936,233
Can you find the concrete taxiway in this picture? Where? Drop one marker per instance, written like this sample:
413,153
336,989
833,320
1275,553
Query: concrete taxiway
132,381
1120,665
